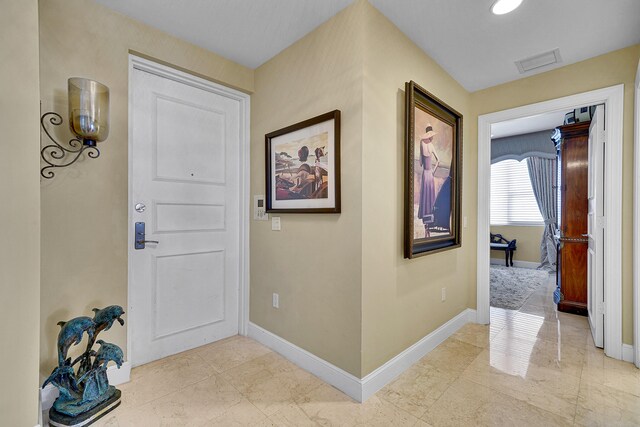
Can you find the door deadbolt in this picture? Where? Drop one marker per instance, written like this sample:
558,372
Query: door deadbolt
140,207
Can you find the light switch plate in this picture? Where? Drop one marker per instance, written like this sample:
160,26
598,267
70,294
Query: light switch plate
275,223
259,209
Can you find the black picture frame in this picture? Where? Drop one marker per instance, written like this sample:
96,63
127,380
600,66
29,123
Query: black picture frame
303,166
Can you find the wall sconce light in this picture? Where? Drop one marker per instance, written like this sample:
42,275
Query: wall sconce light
88,120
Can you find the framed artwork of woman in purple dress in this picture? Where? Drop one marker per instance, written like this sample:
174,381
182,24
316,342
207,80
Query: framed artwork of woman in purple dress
433,141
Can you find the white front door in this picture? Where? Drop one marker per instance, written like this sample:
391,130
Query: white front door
185,185
595,223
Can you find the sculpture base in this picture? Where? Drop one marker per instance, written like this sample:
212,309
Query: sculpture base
89,417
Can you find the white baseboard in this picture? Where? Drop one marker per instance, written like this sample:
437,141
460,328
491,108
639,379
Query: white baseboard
516,263
627,353
472,315
361,389
119,376
331,374
116,376
396,366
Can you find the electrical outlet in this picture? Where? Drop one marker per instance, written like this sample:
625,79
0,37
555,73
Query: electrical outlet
444,294
276,300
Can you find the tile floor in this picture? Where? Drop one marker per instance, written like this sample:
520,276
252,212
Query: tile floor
533,367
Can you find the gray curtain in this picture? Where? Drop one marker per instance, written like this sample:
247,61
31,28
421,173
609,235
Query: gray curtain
543,179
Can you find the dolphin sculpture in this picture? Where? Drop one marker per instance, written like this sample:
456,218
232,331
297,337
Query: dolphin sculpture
106,353
71,334
105,317
63,377
85,388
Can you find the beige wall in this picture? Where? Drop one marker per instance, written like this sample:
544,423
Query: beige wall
346,293
20,213
84,208
603,71
314,263
528,241
375,304
401,297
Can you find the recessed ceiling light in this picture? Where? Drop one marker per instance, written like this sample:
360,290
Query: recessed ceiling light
500,7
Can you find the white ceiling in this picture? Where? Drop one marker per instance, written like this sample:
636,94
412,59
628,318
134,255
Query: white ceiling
477,48
527,124
249,32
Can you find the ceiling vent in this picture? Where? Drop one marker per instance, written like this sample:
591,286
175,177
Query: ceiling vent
539,61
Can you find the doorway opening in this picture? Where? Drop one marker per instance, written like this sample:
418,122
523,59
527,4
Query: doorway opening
612,98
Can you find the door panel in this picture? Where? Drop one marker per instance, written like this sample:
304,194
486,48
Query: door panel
185,156
188,142
188,291
177,217
595,269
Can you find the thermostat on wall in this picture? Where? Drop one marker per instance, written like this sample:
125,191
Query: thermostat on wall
259,210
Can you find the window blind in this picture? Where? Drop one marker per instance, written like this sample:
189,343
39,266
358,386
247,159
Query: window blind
512,199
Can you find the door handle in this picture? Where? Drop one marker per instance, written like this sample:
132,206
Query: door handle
139,239
573,240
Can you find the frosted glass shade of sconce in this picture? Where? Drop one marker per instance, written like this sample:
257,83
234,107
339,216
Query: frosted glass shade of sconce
88,110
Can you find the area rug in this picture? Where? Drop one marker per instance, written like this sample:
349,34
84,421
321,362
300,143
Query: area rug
511,286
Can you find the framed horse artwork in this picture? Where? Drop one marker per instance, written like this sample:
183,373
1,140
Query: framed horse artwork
303,166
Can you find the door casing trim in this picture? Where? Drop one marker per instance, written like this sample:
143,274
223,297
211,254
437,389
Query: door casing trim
142,64
613,98
636,222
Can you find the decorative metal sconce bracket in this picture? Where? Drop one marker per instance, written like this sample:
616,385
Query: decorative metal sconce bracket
55,152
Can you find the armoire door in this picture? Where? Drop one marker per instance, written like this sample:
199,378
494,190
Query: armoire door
574,209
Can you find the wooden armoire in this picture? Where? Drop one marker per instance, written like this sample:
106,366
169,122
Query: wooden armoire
573,242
